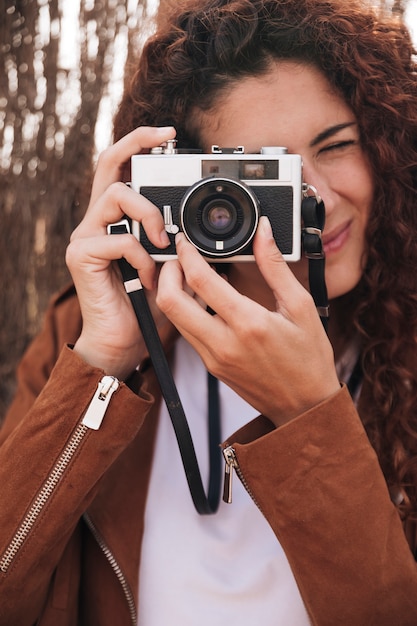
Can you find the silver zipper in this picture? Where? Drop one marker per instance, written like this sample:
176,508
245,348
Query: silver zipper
232,463
56,474
115,567
98,405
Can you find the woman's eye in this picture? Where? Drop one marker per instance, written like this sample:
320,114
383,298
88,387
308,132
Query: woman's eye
340,145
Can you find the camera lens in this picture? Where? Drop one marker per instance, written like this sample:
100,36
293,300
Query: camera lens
219,216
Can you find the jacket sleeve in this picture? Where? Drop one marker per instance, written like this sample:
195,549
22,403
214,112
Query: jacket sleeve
61,325
51,464
318,482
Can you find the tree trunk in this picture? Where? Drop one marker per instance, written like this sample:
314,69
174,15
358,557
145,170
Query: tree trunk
48,116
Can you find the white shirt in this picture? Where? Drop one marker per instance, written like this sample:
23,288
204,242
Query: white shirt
223,568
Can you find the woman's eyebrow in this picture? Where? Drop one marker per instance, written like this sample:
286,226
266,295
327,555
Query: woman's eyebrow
329,132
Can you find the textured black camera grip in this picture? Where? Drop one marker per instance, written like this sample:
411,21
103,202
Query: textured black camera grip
276,202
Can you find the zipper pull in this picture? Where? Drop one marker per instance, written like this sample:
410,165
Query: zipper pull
231,462
98,406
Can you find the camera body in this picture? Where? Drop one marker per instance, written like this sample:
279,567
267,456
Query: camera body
216,199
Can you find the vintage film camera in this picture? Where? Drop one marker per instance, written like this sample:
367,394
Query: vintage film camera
216,199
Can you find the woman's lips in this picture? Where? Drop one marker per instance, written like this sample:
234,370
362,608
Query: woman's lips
336,239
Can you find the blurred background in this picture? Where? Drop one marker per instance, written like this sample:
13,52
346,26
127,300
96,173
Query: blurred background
62,72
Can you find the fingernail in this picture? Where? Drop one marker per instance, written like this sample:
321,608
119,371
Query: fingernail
265,226
179,238
163,238
164,129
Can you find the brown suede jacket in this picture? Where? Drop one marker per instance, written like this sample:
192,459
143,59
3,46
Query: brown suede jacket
73,498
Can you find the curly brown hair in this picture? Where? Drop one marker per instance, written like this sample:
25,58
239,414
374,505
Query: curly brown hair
202,46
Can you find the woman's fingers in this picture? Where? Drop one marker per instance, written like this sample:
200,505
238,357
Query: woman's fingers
87,257
290,296
112,161
183,309
111,199
280,361
117,201
110,336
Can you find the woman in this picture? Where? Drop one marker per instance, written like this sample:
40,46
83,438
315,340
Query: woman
334,543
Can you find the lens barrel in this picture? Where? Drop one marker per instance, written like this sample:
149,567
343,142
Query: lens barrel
219,216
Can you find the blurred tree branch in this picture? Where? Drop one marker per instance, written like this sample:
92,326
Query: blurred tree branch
48,121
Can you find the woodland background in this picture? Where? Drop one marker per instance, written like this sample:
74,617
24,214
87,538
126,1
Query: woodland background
53,116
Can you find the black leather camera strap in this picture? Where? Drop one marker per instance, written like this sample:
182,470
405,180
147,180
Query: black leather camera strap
204,504
313,214
313,219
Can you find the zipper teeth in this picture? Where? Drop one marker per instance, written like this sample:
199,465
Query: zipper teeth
245,484
42,497
115,567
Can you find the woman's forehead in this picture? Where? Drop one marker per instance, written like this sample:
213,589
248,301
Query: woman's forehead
290,104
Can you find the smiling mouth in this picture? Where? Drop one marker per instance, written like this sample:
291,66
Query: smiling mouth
336,239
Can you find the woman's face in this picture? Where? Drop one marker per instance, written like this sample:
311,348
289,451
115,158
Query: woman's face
295,106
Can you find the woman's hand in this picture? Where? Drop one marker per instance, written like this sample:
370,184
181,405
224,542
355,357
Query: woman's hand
280,361
110,336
